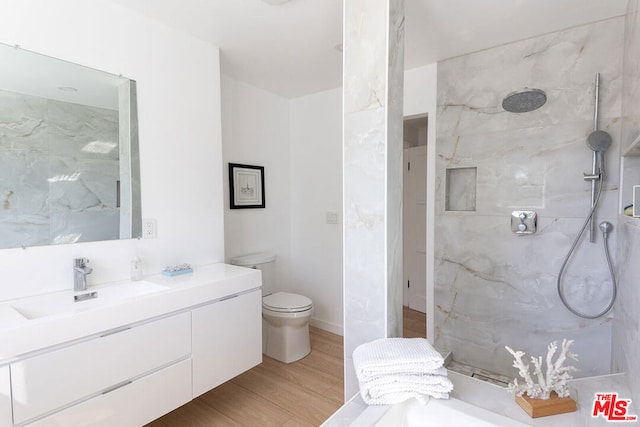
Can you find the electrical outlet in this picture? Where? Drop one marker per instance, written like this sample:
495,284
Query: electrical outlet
149,229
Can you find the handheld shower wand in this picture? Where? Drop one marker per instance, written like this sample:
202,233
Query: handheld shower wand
599,141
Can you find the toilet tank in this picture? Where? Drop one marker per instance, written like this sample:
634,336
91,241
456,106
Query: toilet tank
262,261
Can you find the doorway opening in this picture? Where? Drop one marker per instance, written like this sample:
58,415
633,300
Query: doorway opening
414,220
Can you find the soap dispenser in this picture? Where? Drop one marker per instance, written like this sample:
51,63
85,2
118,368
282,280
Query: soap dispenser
136,268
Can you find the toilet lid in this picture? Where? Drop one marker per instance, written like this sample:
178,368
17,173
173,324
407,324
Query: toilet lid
286,302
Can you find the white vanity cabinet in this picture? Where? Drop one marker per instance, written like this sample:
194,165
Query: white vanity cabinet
130,363
227,339
107,376
134,404
5,397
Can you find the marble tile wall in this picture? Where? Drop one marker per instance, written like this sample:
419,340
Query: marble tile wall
626,325
492,287
58,172
372,179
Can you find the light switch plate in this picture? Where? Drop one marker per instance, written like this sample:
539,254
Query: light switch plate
332,217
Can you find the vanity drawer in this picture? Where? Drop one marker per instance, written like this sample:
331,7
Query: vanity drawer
52,380
133,405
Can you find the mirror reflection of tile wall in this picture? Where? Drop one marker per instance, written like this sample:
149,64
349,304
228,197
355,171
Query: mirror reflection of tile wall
59,167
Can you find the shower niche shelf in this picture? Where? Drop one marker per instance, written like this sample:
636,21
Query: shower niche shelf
634,148
460,189
630,175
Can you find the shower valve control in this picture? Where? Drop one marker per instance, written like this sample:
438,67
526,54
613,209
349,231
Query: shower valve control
524,222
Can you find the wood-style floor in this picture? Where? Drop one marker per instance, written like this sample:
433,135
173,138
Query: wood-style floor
414,323
299,394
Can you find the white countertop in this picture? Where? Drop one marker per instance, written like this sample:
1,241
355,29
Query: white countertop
497,399
20,335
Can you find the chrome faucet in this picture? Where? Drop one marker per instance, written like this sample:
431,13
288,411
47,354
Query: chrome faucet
80,271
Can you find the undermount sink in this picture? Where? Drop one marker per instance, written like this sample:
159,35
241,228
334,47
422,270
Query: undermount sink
63,302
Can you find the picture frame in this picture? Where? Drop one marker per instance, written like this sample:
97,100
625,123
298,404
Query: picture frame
246,186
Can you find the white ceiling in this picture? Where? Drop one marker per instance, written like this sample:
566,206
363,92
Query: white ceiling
290,49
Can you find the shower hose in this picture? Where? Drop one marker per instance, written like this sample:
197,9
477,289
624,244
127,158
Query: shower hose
614,287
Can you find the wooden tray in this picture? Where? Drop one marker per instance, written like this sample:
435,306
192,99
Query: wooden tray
542,408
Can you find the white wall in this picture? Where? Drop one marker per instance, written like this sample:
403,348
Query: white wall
420,93
180,142
316,188
299,142
255,131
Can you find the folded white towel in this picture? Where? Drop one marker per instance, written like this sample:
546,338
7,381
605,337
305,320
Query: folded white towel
396,356
391,389
430,378
393,398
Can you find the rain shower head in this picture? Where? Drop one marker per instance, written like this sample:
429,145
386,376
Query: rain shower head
525,100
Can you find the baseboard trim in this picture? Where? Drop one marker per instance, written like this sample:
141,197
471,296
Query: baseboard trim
327,326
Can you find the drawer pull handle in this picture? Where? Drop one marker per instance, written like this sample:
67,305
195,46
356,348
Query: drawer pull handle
115,331
117,386
229,297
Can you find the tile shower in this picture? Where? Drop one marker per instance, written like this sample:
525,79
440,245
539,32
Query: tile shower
492,287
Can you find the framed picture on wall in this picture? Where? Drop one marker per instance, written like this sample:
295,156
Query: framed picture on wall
246,186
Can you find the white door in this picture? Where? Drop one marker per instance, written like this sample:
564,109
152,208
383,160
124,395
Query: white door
415,228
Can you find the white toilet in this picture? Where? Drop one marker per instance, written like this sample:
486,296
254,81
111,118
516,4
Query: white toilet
285,316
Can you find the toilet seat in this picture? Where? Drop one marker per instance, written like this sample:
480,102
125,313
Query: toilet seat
285,302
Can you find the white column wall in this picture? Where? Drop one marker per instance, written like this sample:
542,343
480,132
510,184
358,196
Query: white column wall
372,146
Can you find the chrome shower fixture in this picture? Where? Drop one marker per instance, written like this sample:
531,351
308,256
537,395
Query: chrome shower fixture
599,141
606,227
525,100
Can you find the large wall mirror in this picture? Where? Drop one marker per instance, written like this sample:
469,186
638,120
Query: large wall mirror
69,162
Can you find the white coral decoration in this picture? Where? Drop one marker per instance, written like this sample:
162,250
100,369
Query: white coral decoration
556,376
